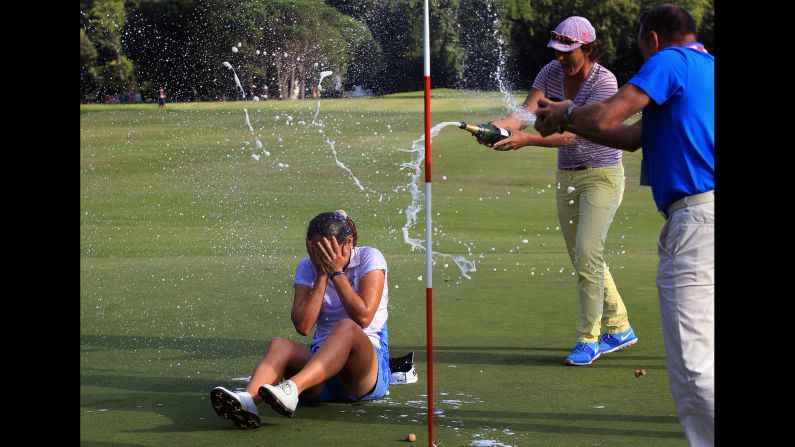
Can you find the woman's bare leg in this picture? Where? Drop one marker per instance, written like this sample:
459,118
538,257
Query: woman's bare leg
347,352
283,358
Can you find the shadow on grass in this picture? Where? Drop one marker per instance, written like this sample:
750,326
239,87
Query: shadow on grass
84,443
137,384
222,348
529,356
193,413
195,347
600,424
184,401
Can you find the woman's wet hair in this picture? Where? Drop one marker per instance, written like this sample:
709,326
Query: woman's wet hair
335,224
594,49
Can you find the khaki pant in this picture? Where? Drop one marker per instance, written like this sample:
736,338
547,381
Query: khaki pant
686,286
596,196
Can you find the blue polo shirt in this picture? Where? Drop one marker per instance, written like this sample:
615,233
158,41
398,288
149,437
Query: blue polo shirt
679,122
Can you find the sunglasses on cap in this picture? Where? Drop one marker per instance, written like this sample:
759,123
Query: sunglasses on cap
566,39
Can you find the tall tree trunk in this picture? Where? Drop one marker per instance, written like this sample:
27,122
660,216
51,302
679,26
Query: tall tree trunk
264,81
302,50
292,74
303,80
280,75
250,83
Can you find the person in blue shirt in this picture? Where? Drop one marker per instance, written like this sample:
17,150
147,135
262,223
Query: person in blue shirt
675,90
341,291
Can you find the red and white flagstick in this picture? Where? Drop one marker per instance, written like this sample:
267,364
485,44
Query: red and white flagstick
428,221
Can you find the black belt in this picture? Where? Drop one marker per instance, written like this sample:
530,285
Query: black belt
578,168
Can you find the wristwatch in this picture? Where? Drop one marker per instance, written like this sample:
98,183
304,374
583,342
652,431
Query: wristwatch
567,113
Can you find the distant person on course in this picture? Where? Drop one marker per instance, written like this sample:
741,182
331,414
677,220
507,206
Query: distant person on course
161,99
675,89
341,290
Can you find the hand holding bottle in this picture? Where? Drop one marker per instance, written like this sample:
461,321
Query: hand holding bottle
517,140
487,134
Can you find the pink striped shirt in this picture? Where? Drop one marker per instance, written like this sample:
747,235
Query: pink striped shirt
600,85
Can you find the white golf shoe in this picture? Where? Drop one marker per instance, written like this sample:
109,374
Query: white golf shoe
282,397
238,407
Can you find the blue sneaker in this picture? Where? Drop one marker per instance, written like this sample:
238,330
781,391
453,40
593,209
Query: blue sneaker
616,342
583,354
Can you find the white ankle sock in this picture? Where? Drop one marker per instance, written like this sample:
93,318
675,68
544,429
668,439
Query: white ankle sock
248,402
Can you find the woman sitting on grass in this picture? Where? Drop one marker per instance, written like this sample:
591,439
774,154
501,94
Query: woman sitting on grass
341,289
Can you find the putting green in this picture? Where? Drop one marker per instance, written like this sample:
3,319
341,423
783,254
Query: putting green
188,249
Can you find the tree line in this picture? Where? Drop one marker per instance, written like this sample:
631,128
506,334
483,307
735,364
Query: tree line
279,47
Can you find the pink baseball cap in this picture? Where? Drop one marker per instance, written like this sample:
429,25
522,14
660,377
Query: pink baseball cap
571,34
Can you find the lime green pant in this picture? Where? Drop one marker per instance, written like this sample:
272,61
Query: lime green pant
587,201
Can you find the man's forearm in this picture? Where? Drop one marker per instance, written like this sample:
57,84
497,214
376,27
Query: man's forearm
625,137
592,119
604,116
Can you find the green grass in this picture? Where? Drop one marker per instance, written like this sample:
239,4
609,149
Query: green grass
188,248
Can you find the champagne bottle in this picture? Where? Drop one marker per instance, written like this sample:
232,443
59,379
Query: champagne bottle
487,133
